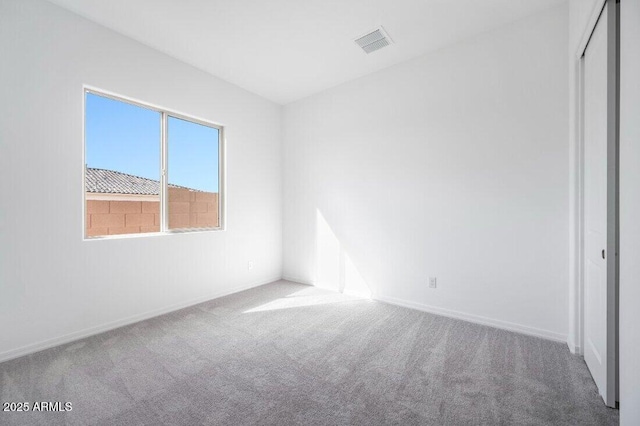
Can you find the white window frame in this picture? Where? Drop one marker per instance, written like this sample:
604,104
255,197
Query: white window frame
165,113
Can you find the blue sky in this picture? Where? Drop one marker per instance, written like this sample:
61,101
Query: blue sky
126,138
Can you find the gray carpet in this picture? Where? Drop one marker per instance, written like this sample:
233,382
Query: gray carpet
287,354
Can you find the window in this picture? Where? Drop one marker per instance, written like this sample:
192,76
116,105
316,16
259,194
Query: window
148,170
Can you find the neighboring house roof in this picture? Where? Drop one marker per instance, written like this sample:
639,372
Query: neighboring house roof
103,181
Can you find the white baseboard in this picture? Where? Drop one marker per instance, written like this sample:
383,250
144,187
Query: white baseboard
296,280
504,325
71,337
574,349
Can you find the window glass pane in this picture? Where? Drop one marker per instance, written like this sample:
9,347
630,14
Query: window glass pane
192,164
122,170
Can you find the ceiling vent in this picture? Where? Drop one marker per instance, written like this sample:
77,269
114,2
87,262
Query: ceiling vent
374,40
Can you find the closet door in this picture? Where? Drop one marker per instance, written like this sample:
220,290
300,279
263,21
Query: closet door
600,189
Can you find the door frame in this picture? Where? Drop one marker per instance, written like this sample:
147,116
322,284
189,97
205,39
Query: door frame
612,246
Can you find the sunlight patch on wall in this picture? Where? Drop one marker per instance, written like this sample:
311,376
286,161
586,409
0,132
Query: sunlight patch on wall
328,259
334,268
354,284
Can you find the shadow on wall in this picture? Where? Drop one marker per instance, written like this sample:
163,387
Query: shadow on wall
334,268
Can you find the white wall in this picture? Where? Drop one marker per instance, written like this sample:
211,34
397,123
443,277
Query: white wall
629,213
451,165
53,285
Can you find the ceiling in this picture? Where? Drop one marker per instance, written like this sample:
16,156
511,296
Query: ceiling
285,50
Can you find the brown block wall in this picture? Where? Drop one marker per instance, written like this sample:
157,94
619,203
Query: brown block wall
187,209
191,209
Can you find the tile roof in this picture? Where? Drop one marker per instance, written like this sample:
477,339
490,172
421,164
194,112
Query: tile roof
111,182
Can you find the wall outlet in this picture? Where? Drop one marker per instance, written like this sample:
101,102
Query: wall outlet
432,282
250,265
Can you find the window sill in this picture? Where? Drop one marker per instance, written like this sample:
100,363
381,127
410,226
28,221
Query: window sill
153,234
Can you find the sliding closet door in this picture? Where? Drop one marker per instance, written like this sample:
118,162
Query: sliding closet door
600,152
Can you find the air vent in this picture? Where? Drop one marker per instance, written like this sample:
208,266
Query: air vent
374,40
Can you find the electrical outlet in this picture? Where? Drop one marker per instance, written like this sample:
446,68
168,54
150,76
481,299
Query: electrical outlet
250,265
432,282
